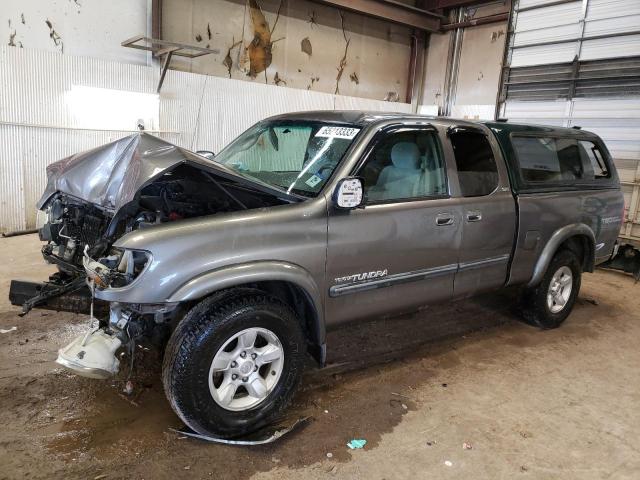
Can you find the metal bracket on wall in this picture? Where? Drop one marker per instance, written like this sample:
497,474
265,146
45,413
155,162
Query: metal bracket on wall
165,50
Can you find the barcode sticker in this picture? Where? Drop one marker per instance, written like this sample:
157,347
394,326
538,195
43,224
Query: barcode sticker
338,132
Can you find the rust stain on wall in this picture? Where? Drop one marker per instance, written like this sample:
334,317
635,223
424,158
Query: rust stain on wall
496,35
55,37
305,46
228,61
12,39
259,50
313,80
278,81
343,60
354,78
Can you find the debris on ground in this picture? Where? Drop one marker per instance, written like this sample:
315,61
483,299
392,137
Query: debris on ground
448,463
12,329
128,387
431,443
467,446
592,301
357,443
329,455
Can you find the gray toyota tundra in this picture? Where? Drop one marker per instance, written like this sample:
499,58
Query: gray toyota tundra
304,222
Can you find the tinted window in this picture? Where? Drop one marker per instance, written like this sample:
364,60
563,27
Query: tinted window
477,170
559,160
405,165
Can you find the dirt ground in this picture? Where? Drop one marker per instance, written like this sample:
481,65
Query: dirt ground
530,404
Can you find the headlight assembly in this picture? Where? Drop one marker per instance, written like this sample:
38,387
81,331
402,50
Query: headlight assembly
118,269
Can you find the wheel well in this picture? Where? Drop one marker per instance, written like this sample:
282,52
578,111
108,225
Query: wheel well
583,248
300,301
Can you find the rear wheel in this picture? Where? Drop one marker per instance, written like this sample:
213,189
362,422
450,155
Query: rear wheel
233,363
549,303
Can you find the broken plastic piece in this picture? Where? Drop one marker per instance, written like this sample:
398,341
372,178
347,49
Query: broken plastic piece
12,329
271,437
91,355
357,443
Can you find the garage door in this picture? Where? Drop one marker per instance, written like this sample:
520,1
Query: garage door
577,63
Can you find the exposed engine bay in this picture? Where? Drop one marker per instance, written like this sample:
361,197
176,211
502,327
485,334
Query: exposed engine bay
92,200
76,230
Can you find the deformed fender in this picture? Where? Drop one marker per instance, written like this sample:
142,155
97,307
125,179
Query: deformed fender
552,245
242,274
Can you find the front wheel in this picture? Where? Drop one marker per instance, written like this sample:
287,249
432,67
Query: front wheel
549,304
232,364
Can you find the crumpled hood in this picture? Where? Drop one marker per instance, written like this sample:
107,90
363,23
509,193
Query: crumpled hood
110,175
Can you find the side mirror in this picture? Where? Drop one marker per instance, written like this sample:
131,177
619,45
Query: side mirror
209,155
348,193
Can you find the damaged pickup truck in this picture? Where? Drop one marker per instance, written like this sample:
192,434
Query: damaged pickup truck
304,222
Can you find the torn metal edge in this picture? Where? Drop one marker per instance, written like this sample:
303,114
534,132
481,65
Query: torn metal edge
272,438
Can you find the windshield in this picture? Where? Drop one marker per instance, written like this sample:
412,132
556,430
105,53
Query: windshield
295,156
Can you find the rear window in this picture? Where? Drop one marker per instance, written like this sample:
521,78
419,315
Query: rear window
551,160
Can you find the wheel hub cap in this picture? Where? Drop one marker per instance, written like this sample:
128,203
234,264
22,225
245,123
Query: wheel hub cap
246,369
559,289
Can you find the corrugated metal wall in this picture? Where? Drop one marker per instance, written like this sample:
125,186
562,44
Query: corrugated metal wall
578,64
196,111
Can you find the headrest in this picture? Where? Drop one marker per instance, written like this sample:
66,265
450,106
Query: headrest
405,155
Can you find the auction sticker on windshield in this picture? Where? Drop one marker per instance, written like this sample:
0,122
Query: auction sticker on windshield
338,132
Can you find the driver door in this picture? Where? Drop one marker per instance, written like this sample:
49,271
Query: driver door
400,251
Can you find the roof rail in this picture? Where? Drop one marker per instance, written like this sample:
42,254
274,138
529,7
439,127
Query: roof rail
577,127
503,120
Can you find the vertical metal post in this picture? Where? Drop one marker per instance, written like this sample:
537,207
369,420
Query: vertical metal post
501,97
453,65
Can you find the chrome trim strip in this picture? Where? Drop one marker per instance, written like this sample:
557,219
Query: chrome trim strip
483,263
395,279
599,246
398,278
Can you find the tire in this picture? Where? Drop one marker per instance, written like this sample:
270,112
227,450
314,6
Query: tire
536,305
204,334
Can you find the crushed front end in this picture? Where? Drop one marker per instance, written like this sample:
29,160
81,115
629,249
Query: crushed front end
95,198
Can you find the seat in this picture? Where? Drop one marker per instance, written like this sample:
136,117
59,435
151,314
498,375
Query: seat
402,177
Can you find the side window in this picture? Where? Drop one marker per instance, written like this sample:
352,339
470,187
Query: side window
559,160
405,165
477,169
592,156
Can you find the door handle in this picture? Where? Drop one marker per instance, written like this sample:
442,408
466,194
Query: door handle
474,216
443,219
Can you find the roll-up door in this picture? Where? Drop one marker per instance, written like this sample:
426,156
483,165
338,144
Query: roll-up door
577,63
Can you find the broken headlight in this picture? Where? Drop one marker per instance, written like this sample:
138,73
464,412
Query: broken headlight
118,269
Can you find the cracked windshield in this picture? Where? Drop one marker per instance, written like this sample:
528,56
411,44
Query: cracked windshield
297,157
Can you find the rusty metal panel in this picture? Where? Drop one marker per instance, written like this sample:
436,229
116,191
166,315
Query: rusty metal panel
196,111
